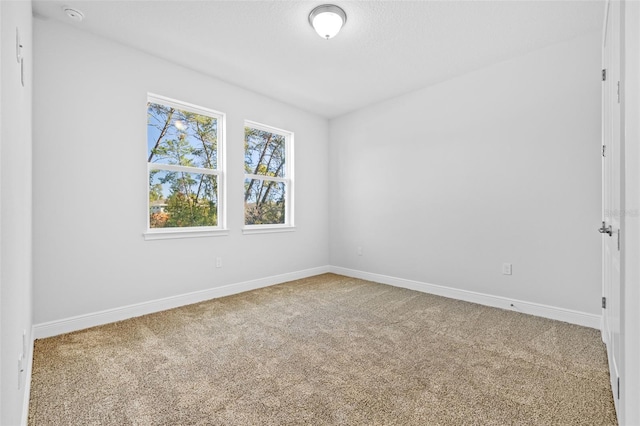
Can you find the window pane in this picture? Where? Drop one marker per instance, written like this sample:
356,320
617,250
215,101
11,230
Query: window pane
264,153
264,202
180,199
181,137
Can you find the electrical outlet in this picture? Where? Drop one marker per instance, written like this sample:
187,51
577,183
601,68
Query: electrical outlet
218,262
359,250
506,269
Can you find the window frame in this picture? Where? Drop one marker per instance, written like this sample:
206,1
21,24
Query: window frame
288,180
219,171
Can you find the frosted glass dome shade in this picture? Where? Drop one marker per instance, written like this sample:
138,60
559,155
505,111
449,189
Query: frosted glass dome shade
327,20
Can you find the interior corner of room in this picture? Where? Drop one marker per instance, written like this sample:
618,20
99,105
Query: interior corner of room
486,185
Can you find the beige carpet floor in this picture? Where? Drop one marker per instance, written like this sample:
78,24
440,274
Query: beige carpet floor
326,350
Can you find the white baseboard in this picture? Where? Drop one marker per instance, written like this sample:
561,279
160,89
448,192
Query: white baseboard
67,325
545,311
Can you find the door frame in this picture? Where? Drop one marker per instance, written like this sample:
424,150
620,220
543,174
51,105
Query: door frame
629,368
629,412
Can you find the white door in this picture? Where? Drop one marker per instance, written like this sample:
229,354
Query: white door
611,191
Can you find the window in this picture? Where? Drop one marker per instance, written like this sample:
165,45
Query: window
268,178
184,149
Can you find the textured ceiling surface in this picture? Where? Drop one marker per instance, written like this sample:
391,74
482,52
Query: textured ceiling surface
386,48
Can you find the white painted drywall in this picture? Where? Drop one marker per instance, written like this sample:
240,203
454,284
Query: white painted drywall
90,181
444,184
15,211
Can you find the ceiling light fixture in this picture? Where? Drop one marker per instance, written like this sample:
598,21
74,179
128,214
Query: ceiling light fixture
327,20
73,14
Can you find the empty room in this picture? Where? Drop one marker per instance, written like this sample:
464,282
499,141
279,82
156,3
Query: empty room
296,212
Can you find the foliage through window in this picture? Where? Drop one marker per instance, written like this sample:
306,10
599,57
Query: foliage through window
268,176
183,149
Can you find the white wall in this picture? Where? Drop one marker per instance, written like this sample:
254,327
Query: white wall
15,211
90,181
443,185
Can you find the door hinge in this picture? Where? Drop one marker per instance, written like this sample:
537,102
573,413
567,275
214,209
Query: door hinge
618,387
604,75
604,303
618,92
604,150
618,239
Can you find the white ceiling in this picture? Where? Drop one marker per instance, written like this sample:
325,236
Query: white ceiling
385,49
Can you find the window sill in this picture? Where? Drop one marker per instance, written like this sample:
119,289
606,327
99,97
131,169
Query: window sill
268,229
184,233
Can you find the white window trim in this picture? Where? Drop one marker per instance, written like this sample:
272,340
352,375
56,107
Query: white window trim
196,231
288,180
175,233
267,229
